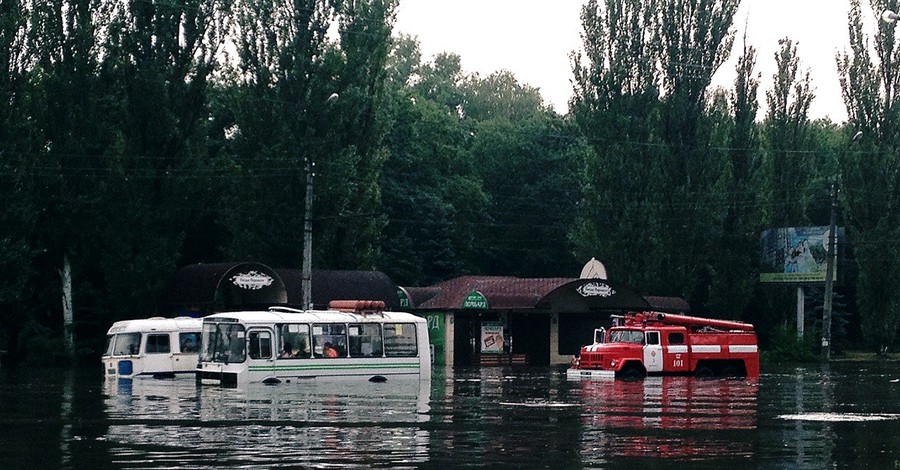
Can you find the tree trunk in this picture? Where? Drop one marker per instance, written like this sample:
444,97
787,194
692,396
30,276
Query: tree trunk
68,323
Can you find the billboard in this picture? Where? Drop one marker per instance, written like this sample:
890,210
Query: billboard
795,254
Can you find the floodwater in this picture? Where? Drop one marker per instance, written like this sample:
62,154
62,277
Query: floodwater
842,415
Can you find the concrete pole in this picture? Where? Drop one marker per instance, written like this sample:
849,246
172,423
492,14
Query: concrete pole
306,275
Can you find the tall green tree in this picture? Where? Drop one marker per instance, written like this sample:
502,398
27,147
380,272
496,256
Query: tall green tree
279,116
433,196
351,179
616,106
735,264
788,137
17,167
696,38
651,204
528,159
869,170
64,38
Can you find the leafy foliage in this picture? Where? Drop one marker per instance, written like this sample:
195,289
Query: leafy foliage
138,137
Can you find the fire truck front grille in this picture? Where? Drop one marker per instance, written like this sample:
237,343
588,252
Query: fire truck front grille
591,360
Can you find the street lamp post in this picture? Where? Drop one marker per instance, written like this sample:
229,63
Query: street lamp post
830,265
306,275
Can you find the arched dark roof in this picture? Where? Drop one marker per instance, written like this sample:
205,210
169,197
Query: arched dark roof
594,294
328,285
203,288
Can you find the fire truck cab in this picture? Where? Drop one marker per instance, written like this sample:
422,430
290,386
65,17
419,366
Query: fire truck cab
656,343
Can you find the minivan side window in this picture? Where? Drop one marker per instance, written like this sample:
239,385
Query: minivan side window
157,344
190,342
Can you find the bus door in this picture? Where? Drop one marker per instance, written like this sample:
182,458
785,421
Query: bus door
260,353
653,354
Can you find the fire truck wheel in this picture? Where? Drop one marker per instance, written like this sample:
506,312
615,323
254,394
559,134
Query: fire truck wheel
704,372
732,371
631,372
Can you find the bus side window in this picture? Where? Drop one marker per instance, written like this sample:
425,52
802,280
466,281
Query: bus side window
334,333
400,340
295,337
365,340
260,344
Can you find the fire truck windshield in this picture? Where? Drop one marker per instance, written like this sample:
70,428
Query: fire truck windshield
626,336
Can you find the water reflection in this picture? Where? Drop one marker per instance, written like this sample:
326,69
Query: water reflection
796,417
668,417
308,423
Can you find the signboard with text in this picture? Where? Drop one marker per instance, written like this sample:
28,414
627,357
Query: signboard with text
491,337
475,299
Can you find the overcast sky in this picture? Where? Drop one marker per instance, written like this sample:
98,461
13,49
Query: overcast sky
533,39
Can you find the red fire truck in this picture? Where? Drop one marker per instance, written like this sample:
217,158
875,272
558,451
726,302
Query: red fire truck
656,343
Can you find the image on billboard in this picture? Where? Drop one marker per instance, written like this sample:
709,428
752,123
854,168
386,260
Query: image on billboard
795,254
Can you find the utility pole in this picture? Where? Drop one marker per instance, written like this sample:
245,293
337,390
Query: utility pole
306,274
829,274
830,262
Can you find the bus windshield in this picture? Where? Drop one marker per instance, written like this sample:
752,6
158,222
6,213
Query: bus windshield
626,336
223,342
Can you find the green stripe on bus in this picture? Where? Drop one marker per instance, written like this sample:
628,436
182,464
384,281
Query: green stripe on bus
333,366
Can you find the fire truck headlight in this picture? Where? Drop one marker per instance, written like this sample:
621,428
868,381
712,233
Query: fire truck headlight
612,362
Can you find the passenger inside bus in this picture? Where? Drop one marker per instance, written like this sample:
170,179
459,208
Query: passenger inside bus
329,351
287,350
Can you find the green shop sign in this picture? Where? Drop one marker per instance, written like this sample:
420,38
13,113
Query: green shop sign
403,297
475,299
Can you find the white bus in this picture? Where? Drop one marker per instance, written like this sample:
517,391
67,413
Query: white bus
152,347
352,339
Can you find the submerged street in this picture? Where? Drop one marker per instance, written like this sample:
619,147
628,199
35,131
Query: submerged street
793,417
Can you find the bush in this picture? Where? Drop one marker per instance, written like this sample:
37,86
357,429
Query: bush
787,348
42,346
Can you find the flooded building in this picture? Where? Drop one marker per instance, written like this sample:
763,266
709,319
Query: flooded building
472,320
491,320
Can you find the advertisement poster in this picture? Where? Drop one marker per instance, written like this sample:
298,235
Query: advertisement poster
491,338
795,254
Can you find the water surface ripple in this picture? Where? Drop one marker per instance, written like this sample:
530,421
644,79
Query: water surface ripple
840,415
